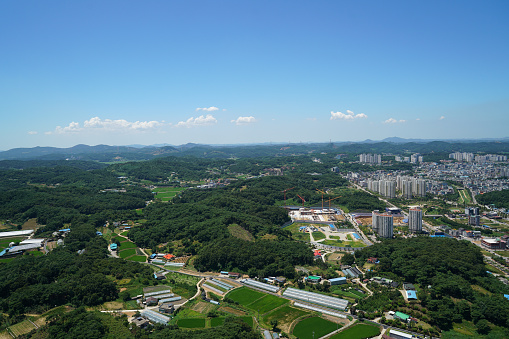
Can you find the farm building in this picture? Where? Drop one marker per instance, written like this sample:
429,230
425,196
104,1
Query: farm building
313,279
401,316
338,281
15,233
151,301
113,247
141,322
257,284
155,317
166,308
316,298
395,334
158,276
408,287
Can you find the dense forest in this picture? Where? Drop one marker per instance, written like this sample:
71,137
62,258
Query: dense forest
35,284
449,274
499,198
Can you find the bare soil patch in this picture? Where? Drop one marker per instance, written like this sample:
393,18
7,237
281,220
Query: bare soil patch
231,310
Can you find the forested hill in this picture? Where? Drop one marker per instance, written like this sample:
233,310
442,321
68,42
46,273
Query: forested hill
450,276
105,153
499,198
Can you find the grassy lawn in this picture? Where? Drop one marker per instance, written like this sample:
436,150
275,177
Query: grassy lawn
494,269
341,243
191,323
319,326
267,303
244,295
238,232
503,253
359,331
127,253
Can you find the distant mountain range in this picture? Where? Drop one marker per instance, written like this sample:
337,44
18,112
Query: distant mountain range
106,153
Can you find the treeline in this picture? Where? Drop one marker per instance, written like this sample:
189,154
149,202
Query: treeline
444,269
260,258
34,284
499,198
96,325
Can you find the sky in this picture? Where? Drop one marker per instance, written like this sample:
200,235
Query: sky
228,72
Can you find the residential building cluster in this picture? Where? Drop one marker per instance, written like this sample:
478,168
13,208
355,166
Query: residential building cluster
413,159
470,157
370,158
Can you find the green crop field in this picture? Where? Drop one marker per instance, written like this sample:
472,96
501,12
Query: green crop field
285,314
127,253
167,193
139,258
126,244
216,321
191,323
120,239
244,295
305,328
267,303
359,331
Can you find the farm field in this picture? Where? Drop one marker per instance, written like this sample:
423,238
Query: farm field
191,323
21,328
358,331
266,303
244,295
127,253
318,236
167,193
319,326
285,316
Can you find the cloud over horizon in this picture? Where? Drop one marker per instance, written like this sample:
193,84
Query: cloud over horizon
96,123
244,120
198,121
349,115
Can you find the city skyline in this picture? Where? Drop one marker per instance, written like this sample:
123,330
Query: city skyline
123,72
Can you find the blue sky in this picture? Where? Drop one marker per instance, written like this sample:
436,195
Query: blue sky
222,72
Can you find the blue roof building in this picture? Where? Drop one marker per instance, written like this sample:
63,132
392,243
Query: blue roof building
506,296
113,246
411,295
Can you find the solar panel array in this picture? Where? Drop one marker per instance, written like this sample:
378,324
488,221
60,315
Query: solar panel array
155,317
261,285
169,300
315,298
321,310
156,293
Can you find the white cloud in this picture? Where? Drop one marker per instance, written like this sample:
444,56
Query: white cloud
441,118
208,109
393,121
97,123
198,121
418,119
349,115
244,120
32,132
